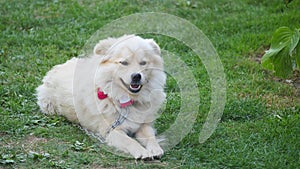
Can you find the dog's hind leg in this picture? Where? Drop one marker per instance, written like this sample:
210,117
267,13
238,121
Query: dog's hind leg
45,99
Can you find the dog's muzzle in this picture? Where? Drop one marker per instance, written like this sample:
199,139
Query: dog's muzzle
136,83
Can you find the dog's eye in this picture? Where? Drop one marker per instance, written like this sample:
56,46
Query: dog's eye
125,63
143,63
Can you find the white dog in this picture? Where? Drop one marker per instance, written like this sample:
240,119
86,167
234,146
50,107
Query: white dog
114,93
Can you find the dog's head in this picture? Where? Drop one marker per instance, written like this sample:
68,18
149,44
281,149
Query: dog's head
133,62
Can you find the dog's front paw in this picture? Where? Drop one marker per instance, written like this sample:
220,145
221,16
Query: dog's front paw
141,154
155,150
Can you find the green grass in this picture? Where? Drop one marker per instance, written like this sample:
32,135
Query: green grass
260,127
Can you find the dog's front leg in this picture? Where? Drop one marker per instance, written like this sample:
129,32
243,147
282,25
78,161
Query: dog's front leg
146,136
119,139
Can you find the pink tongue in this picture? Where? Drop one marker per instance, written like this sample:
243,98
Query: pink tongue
134,86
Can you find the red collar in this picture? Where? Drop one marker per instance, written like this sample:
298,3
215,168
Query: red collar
124,102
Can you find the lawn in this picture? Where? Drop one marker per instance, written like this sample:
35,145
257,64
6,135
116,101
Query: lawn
260,126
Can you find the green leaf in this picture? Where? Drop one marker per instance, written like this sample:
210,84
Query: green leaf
266,60
294,41
288,1
297,56
283,66
279,57
38,156
9,161
78,146
281,38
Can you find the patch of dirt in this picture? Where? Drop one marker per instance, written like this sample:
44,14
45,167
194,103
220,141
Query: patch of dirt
32,141
155,163
28,143
280,101
2,134
293,81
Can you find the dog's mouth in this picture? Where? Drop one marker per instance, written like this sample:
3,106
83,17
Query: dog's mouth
133,87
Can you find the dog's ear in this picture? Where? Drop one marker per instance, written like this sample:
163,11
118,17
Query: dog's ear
155,46
103,46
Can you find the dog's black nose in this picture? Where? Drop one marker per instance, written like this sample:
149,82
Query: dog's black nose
136,77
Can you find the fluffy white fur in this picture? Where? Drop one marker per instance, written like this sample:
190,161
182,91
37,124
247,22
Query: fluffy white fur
70,89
